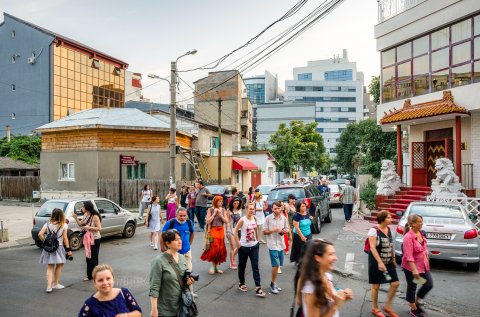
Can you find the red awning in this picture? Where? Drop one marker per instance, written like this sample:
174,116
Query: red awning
243,164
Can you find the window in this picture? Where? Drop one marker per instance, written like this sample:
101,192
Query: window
67,171
13,33
270,172
305,76
117,71
388,57
214,142
244,114
236,176
137,171
183,174
440,38
96,63
106,207
461,75
461,31
420,46
339,75
404,52
461,53
12,86
14,58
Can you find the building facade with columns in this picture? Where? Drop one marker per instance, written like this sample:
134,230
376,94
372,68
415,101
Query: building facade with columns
430,85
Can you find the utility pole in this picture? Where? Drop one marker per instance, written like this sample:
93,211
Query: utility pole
219,140
173,121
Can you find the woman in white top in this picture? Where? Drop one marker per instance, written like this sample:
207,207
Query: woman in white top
172,204
259,214
234,215
153,222
248,247
55,260
145,196
315,291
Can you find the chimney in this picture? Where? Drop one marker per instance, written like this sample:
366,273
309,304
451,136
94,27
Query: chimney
8,134
345,54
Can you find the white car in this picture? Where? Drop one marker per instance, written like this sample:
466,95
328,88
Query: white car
265,190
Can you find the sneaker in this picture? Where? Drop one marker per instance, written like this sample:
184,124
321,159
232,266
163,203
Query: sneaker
200,230
273,288
58,286
279,289
155,247
279,271
48,290
152,244
415,313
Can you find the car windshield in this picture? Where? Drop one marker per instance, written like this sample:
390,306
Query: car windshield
216,189
265,189
46,209
437,211
282,193
334,188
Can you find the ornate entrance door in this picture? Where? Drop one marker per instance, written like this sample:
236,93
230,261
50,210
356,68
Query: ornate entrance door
435,150
419,164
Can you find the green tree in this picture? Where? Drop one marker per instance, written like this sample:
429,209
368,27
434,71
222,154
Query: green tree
365,141
374,89
25,148
299,146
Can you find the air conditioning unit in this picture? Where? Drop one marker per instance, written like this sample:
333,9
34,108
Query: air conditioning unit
31,60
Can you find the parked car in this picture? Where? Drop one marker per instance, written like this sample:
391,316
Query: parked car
115,220
449,230
316,202
223,190
288,181
335,192
265,190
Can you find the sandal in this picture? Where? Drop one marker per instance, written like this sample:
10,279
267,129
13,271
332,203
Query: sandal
211,271
390,312
242,287
259,292
218,271
378,313
233,266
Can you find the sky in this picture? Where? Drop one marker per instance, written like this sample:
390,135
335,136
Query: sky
149,34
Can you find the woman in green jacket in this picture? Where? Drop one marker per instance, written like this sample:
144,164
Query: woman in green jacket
165,289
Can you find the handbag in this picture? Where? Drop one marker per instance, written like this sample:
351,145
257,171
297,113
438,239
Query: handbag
207,238
188,307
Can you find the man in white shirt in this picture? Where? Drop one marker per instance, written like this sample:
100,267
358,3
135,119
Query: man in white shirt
276,225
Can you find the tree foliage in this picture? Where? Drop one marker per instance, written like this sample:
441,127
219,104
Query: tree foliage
374,89
24,148
365,142
299,146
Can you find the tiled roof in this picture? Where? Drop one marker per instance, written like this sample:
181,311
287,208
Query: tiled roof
424,110
7,163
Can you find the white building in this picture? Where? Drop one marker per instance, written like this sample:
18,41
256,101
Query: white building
133,86
337,90
430,59
262,88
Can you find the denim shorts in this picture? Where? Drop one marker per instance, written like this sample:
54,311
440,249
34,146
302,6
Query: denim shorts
276,258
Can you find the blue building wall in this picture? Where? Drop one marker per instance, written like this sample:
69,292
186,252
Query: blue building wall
31,101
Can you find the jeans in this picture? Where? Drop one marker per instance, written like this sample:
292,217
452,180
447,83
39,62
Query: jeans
142,209
201,213
347,210
191,214
412,287
243,254
93,261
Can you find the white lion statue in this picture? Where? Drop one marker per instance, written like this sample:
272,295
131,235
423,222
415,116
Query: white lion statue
389,181
447,182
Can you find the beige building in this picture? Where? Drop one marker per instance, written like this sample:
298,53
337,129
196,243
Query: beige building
230,88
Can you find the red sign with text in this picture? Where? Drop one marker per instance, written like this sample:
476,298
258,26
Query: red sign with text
128,160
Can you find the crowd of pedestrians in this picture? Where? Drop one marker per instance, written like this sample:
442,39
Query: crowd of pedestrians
287,231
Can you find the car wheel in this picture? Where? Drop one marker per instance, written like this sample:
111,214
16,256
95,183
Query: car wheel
75,241
317,222
473,267
129,230
38,243
328,218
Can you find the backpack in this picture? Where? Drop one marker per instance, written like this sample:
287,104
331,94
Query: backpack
189,222
50,244
366,247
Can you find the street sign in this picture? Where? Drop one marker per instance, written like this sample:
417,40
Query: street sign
128,160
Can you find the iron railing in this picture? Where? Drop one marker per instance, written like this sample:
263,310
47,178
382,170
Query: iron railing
467,176
389,8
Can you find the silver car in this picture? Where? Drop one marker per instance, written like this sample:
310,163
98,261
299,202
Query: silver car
115,220
335,192
449,230
265,190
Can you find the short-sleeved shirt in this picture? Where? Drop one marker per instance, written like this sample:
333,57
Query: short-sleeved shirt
124,302
384,244
54,228
309,288
184,229
304,223
323,189
248,237
202,201
275,241
348,193
191,199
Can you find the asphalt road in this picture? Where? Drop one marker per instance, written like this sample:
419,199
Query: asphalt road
22,281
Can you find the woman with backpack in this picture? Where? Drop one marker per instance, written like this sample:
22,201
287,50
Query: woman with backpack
91,225
315,292
381,263
57,255
153,221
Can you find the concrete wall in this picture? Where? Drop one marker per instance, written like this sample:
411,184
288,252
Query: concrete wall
212,165
263,163
204,142
31,101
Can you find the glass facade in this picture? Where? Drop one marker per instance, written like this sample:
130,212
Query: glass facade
335,120
81,82
322,88
256,93
445,58
305,76
329,99
345,74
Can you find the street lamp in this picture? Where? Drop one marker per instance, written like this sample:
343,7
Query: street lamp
173,112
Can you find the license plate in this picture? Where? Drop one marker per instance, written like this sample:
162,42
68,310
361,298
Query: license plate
439,236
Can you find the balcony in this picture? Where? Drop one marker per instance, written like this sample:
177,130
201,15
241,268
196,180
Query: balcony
389,8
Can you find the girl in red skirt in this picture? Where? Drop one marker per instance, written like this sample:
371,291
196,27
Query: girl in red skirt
215,250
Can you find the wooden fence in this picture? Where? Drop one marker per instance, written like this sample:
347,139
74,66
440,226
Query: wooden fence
18,187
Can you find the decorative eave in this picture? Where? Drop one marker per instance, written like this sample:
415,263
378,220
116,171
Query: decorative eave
409,112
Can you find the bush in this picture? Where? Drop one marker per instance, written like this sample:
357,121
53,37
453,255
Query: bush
368,193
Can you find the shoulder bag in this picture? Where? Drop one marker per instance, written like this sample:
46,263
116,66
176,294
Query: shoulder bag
188,307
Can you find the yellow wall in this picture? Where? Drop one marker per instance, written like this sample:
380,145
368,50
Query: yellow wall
212,165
